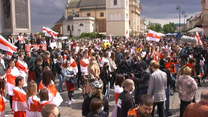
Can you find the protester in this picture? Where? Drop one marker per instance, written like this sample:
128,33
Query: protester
96,92
44,99
187,87
145,107
38,70
71,80
96,108
59,71
118,86
199,109
126,101
23,68
2,97
84,65
12,73
19,98
105,76
47,82
50,110
32,100
157,87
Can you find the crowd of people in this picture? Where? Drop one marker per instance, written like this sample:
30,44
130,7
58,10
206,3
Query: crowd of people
143,75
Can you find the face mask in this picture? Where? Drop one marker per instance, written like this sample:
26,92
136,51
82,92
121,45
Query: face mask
102,109
133,88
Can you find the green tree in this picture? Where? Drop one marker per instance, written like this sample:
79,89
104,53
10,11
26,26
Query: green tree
169,28
156,27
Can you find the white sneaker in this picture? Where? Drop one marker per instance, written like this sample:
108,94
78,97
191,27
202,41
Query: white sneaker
80,89
72,100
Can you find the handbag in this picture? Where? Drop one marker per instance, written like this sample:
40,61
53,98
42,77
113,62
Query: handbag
73,80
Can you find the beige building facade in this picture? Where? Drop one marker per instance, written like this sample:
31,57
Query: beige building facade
98,10
205,16
117,12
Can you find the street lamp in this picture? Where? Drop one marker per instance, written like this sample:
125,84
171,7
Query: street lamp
179,9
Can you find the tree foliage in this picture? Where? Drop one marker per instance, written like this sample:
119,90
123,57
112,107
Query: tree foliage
156,27
169,28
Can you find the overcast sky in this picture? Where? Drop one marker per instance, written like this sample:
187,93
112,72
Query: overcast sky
47,12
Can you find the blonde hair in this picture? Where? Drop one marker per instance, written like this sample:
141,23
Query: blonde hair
155,64
186,71
31,89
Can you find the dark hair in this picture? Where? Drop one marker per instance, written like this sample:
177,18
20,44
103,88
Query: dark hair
2,86
119,80
47,77
11,60
192,60
39,58
172,53
146,100
18,79
43,94
96,104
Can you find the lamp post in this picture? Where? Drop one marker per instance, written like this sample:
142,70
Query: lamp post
179,9
184,14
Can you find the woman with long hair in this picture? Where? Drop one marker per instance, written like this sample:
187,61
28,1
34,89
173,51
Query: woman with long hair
2,97
47,82
32,100
105,76
113,67
94,72
44,99
96,92
70,76
19,98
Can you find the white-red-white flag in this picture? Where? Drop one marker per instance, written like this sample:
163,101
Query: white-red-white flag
50,33
198,38
110,38
6,46
153,36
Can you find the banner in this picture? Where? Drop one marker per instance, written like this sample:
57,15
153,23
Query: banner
28,47
153,36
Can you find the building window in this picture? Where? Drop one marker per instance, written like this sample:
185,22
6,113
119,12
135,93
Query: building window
81,24
72,28
68,28
88,14
115,2
102,14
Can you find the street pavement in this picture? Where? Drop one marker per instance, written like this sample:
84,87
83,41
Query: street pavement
75,109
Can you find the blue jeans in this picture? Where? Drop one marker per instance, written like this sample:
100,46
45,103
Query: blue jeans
107,92
167,103
61,81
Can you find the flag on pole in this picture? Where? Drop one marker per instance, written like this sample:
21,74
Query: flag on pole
6,46
110,38
153,36
49,32
198,38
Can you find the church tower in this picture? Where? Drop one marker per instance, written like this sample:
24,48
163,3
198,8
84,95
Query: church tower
117,17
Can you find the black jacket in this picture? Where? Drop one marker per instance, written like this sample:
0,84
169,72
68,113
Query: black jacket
105,76
58,67
31,63
38,71
143,80
125,103
86,105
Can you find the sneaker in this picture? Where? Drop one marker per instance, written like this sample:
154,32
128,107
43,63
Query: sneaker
80,89
70,102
